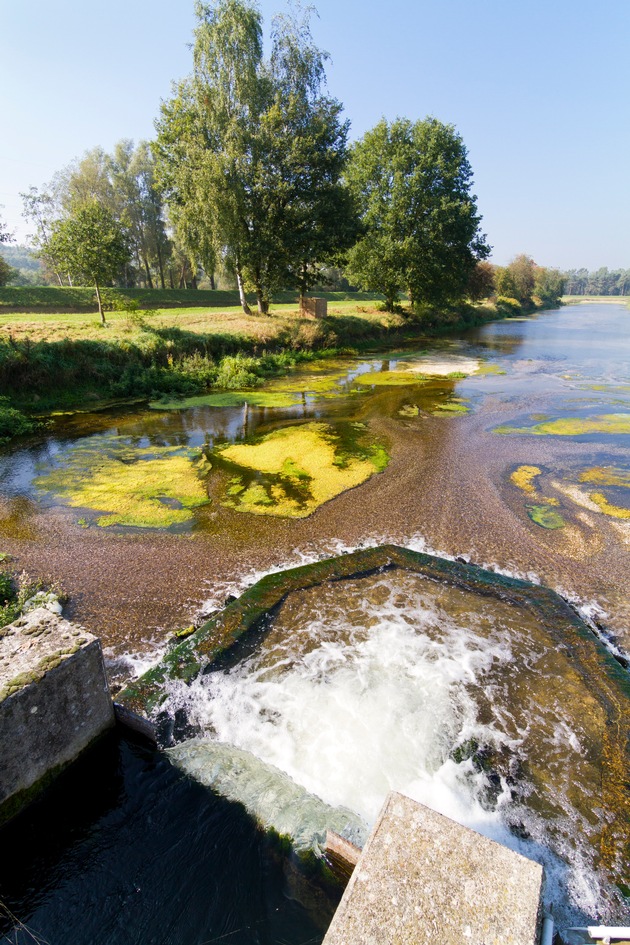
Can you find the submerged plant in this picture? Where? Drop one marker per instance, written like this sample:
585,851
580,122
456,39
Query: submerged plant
293,471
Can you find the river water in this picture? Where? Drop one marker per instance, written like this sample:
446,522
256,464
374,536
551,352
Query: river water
508,446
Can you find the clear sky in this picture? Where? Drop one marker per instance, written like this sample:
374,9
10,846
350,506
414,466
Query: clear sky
539,91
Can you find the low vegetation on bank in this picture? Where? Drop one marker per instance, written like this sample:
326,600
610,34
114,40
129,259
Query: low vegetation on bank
70,361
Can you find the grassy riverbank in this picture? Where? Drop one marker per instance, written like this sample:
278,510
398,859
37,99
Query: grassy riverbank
51,361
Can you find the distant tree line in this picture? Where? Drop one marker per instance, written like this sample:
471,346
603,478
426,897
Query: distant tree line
251,180
601,282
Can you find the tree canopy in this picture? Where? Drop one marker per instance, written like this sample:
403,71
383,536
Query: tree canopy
91,245
251,152
412,185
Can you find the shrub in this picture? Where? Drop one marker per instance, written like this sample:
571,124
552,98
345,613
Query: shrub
13,422
508,305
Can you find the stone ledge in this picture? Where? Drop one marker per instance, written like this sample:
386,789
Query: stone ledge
54,702
422,878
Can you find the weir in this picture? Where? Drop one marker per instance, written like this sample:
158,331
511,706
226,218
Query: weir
261,677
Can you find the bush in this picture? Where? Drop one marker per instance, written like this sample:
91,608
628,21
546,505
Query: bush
13,422
508,305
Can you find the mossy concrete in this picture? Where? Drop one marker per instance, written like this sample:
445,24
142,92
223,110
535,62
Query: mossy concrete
54,702
423,878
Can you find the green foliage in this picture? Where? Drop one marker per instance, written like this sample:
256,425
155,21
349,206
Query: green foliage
548,284
508,306
411,183
90,245
13,422
250,153
517,279
14,593
7,273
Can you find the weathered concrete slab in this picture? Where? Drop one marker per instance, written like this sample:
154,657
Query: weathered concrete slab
54,701
423,878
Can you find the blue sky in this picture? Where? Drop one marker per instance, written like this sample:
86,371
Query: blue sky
538,90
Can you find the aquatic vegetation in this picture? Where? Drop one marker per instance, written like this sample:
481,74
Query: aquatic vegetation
487,368
294,470
524,477
574,426
606,476
545,516
454,406
149,487
409,410
389,379
615,511
255,398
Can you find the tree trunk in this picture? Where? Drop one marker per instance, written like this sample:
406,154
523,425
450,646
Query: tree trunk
161,266
148,272
213,284
193,281
100,304
241,291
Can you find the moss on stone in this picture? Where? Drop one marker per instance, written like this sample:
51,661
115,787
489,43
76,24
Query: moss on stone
574,426
545,516
150,487
293,471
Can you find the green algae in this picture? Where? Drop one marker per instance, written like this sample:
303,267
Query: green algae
451,407
574,426
409,410
292,471
389,379
144,487
606,476
488,368
254,398
545,516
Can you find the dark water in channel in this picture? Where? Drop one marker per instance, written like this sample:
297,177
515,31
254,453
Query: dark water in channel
124,850
143,855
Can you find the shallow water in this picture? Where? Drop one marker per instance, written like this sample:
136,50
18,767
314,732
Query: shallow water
455,483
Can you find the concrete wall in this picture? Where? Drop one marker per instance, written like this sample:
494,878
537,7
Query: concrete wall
54,701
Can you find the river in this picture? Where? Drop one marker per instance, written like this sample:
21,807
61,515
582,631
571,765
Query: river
507,446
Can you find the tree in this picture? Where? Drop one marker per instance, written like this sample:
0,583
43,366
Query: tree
5,235
481,281
91,245
548,284
7,272
411,183
516,280
250,152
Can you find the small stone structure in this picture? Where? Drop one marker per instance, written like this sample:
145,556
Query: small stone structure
54,701
313,308
423,878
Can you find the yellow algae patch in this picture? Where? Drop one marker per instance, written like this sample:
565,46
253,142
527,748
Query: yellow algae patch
293,471
488,368
145,488
615,511
606,476
451,408
524,476
388,379
454,365
575,426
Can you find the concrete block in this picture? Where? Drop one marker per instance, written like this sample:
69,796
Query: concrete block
54,701
423,878
313,308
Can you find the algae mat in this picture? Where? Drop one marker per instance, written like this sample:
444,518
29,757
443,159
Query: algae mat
292,471
129,485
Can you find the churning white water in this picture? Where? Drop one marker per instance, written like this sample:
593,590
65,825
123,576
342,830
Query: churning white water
393,682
